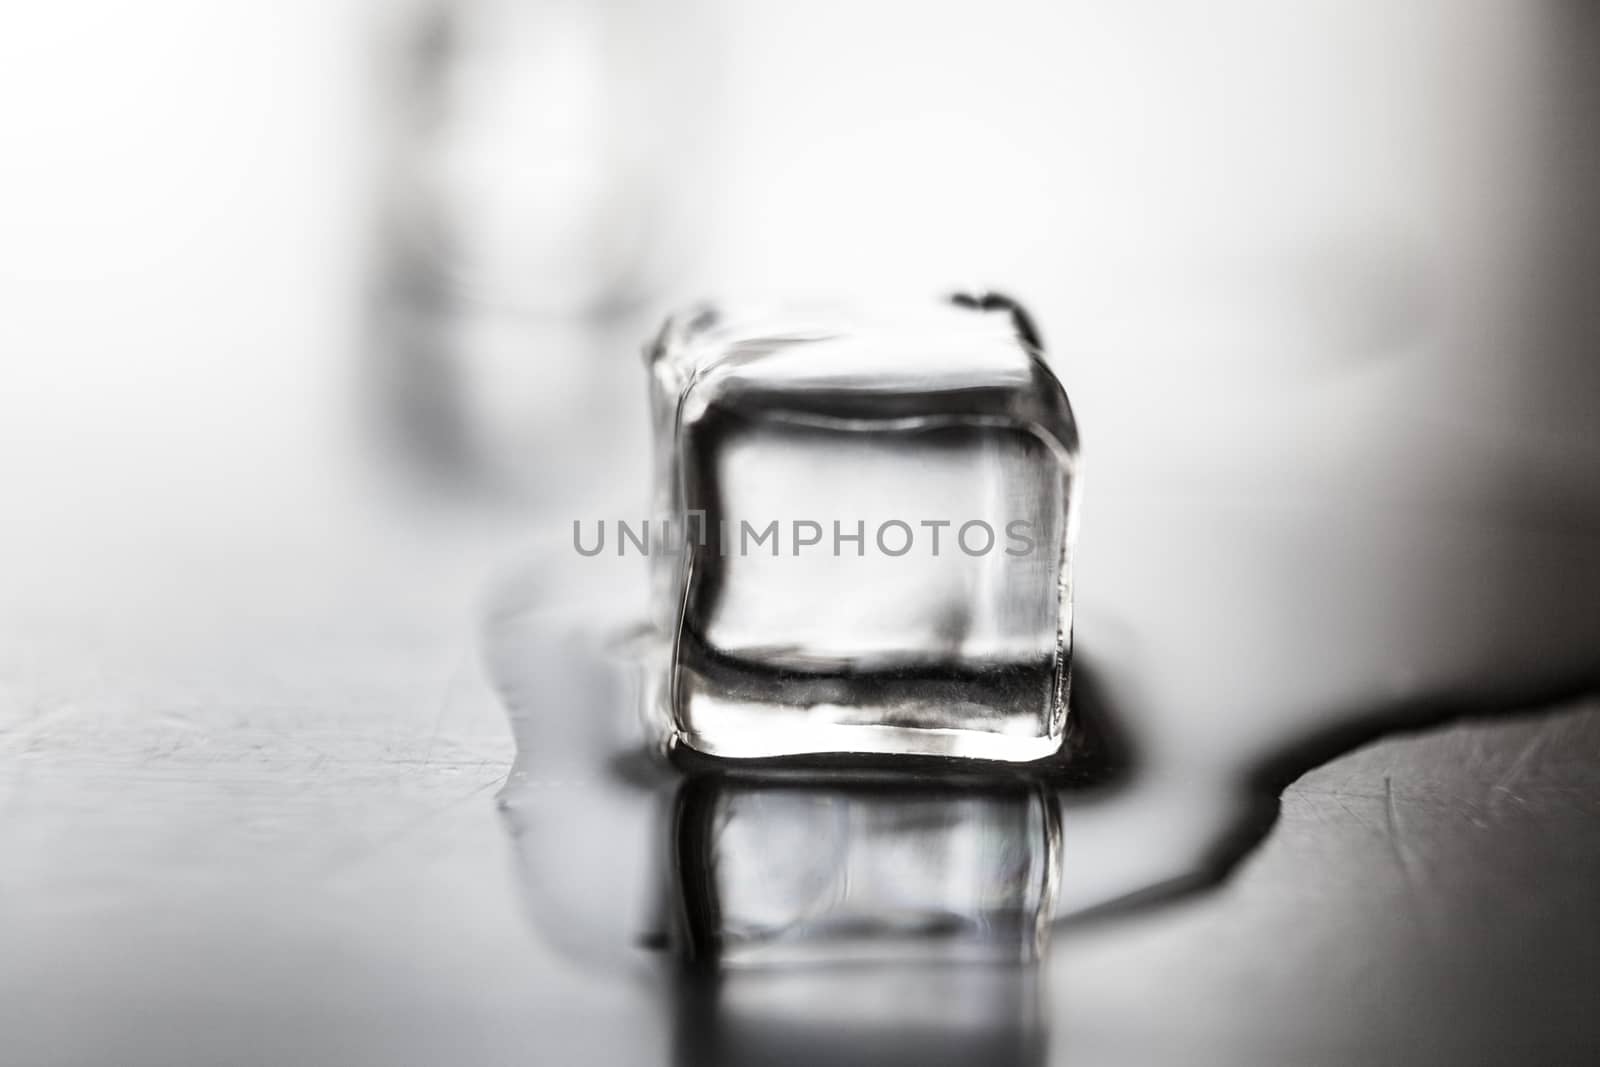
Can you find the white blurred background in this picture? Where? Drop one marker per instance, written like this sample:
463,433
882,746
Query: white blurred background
1313,238
309,306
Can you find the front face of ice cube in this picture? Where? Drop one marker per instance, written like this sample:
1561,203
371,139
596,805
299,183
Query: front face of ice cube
885,551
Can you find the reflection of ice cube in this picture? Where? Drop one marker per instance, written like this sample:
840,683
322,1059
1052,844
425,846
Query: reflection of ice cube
885,564
802,873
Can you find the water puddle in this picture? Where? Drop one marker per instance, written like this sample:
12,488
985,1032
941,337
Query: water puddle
1223,649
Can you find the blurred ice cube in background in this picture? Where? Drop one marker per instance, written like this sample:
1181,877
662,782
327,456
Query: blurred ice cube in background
537,171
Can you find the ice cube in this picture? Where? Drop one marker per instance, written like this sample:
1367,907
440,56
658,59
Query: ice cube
873,519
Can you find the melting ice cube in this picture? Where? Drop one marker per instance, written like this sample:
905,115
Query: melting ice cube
873,520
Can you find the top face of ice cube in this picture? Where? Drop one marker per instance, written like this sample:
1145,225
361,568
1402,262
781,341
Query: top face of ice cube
968,359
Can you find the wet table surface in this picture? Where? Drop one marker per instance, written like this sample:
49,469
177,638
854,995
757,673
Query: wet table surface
248,815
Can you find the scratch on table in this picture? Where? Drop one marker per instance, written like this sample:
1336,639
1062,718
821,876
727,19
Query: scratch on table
444,702
1513,775
1410,868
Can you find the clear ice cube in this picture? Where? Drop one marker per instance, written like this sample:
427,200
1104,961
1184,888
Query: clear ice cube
873,520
